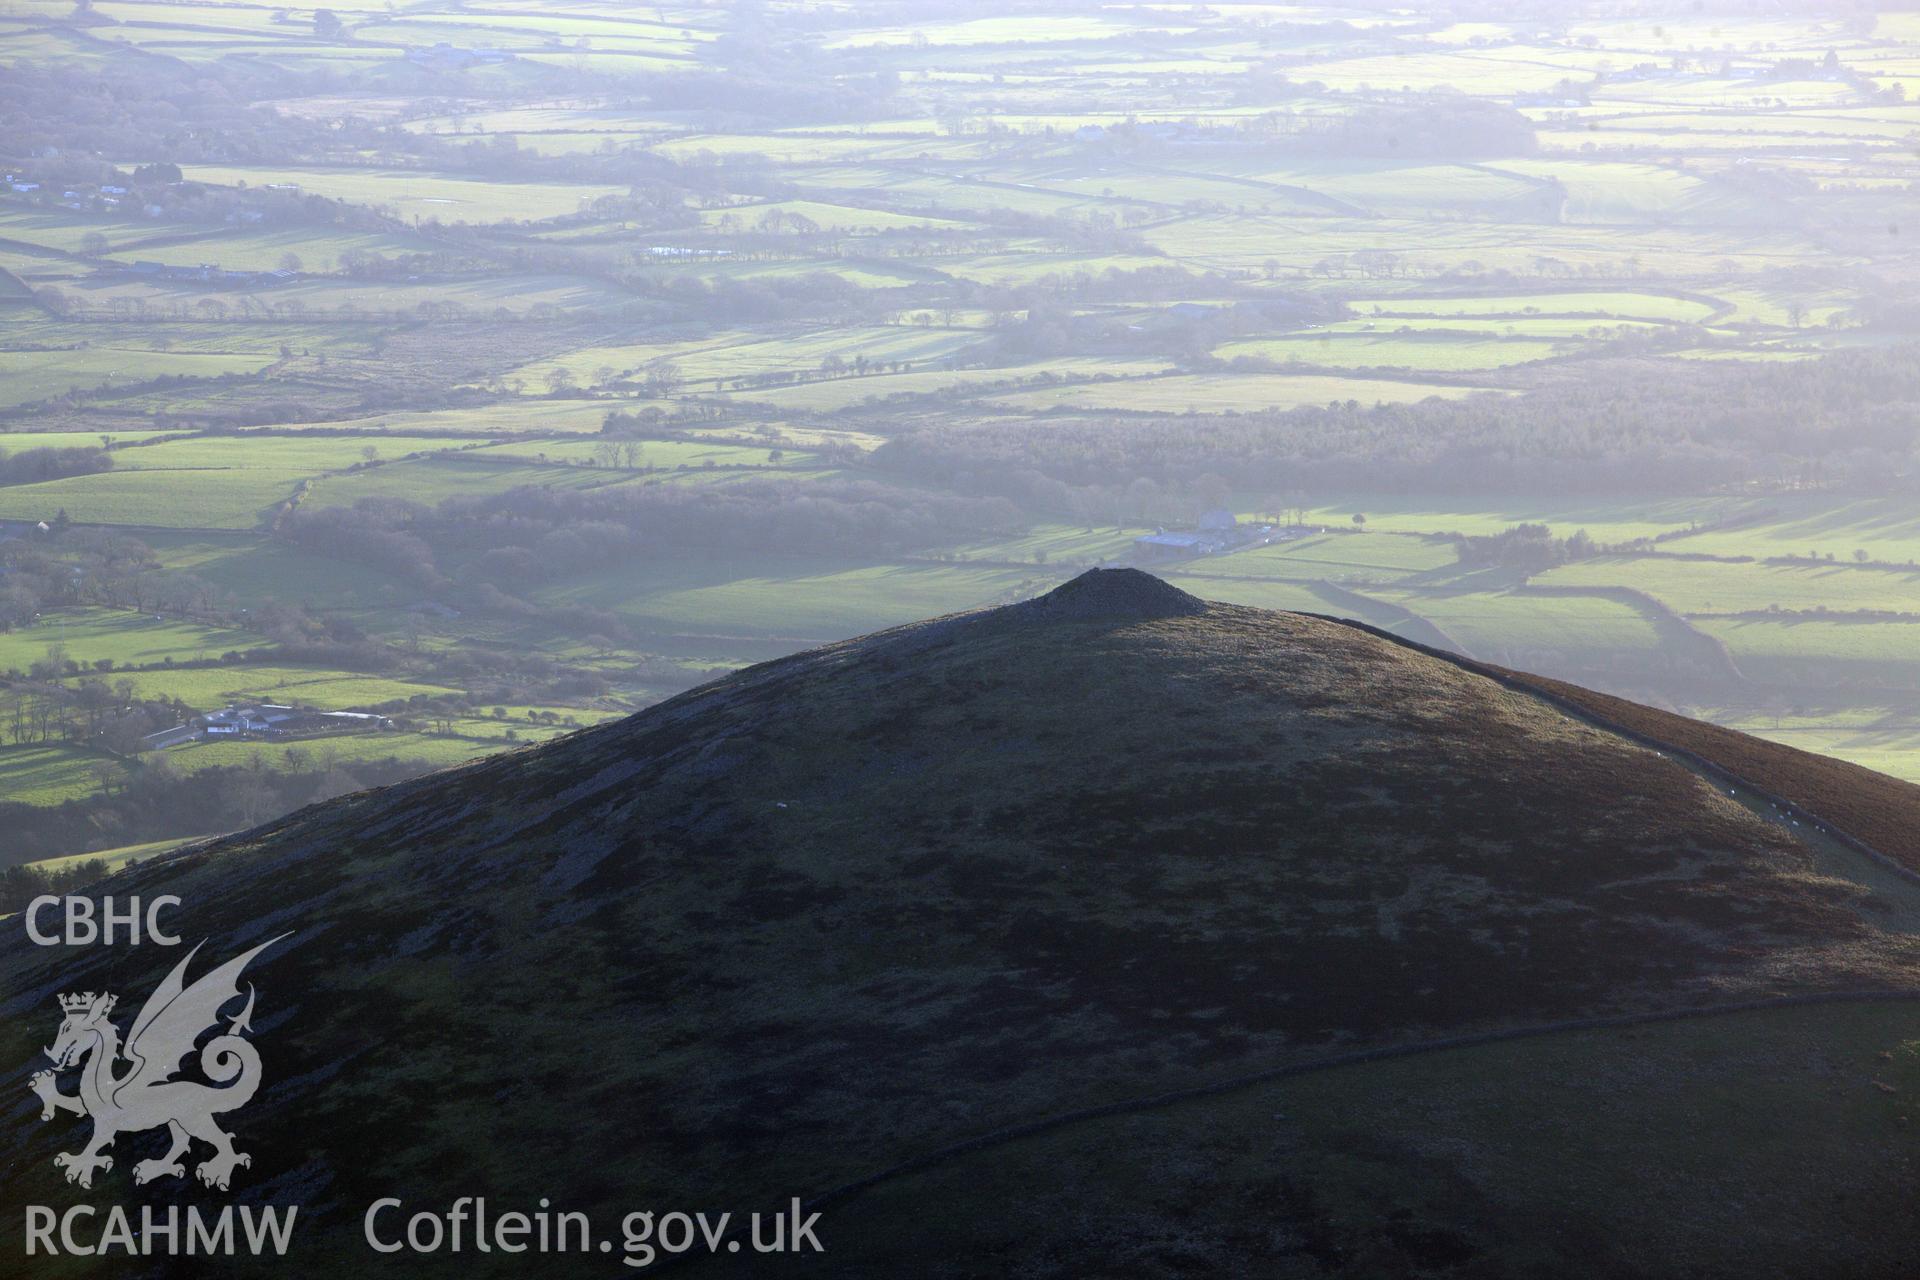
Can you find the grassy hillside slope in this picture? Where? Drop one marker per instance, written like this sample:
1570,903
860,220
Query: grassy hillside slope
847,908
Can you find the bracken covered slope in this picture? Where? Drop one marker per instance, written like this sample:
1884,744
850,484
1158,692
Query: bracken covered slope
838,910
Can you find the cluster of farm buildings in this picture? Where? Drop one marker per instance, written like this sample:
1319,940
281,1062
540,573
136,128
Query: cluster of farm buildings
1216,533
206,273
268,720
444,56
84,198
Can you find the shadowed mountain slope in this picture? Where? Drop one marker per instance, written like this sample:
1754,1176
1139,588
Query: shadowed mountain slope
839,910
1882,811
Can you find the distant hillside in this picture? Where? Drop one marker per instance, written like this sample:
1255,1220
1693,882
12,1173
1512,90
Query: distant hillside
835,913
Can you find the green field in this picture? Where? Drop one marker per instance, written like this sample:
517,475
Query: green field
188,499
809,604
1700,586
51,774
1598,305
247,566
430,748
322,687
437,480
253,452
14,441
1888,530
28,376
90,636
1375,556
420,196
1813,653
1605,521
114,859
1519,630
1356,351
661,453
1223,393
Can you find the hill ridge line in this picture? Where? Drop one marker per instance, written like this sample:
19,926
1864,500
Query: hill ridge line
1519,683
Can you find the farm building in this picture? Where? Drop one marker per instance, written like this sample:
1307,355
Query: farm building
276,720
1161,545
235,722
1216,532
205,273
169,737
444,55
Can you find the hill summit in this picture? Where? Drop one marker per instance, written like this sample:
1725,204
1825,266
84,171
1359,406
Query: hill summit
1113,593
839,911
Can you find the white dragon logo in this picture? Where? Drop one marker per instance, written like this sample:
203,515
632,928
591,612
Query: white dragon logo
145,1095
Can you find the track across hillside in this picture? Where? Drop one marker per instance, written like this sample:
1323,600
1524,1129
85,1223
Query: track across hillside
1356,1058
1881,822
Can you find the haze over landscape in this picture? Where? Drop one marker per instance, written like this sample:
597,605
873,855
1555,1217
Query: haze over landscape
1225,639
501,368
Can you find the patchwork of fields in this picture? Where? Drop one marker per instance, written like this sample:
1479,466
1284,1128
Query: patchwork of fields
492,368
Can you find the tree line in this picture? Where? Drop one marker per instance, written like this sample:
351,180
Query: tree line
1845,422
31,466
516,540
